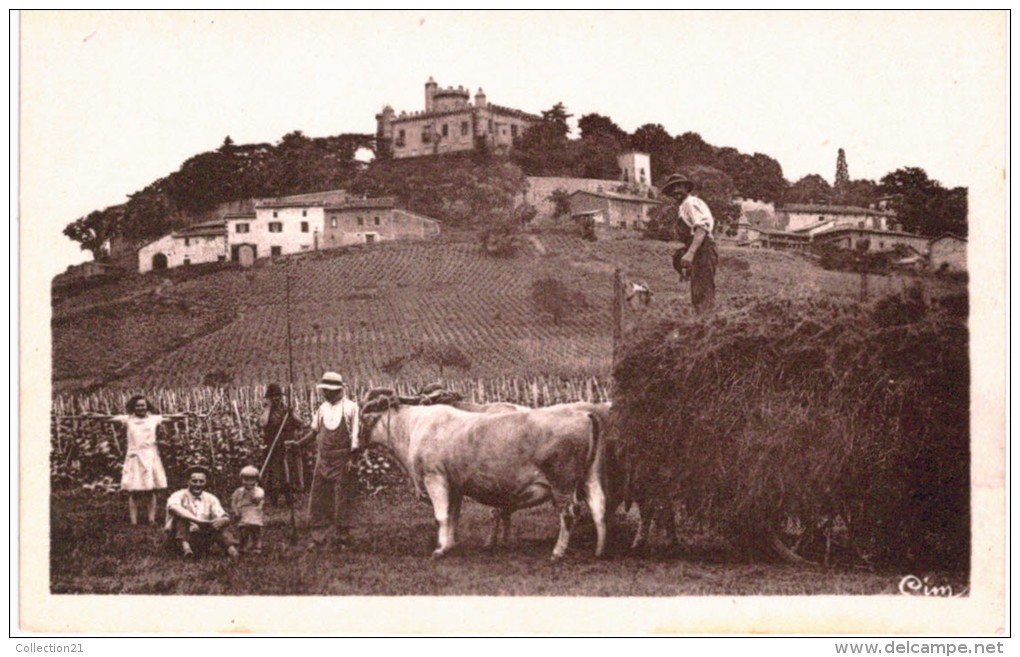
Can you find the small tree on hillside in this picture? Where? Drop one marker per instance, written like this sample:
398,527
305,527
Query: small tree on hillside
550,295
443,356
561,202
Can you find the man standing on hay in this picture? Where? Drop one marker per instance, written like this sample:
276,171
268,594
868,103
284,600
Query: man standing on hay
699,260
334,482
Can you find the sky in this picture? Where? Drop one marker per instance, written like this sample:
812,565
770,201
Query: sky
109,102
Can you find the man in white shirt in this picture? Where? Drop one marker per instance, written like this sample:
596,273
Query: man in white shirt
332,501
700,259
195,518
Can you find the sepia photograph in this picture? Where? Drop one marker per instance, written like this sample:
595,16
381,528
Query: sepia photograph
504,322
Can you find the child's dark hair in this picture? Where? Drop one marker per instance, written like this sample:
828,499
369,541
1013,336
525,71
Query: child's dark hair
130,406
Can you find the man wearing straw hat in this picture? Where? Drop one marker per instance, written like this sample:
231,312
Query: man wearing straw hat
283,472
698,262
334,484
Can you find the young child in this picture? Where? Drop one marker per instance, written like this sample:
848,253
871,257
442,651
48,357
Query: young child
246,504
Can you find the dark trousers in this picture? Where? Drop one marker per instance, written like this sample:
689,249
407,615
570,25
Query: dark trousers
333,495
203,538
703,277
251,536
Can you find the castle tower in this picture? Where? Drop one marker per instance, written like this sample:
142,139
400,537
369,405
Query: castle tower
430,92
480,99
636,167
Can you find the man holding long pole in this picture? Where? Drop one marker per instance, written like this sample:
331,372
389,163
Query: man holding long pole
283,472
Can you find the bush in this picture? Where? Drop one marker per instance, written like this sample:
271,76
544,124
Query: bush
810,416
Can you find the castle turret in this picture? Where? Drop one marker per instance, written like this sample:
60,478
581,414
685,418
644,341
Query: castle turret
430,92
480,99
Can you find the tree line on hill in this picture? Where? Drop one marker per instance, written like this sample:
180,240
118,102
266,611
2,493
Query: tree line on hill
483,190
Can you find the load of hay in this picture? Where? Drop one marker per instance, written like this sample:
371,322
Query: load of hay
839,430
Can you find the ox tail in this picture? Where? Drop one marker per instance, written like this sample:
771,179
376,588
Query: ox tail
595,467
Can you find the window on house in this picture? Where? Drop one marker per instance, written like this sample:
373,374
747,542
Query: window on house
275,226
513,130
332,222
401,138
187,241
377,221
642,170
187,261
821,217
241,228
275,250
490,126
463,128
446,130
426,134
304,213
304,226
221,258
275,214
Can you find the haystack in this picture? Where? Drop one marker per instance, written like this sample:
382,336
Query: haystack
808,419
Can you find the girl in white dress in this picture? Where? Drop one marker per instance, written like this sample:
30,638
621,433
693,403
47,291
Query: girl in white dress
143,471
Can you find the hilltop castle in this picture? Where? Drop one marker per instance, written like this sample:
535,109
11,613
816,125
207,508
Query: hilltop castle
450,123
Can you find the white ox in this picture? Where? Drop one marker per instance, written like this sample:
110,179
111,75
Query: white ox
649,510
509,461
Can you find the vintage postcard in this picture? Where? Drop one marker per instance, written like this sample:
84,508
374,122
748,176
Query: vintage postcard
446,322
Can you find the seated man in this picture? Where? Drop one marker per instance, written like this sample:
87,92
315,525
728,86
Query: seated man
194,518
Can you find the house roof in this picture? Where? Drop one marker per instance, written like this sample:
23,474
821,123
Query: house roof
354,203
811,208
618,196
218,227
952,236
870,231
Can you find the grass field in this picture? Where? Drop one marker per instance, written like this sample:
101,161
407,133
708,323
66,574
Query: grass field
360,309
390,556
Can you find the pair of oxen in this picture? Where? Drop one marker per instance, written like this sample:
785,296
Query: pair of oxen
504,456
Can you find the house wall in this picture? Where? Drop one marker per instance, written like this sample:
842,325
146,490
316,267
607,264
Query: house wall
196,250
801,220
540,187
345,226
877,242
950,252
291,239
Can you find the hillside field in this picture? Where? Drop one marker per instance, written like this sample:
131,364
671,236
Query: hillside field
366,311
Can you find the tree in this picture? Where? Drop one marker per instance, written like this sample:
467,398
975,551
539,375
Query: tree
842,181
93,230
543,149
550,295
691,149
809,189
595,156
443,355
592,125
653,139
923,205
561,202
